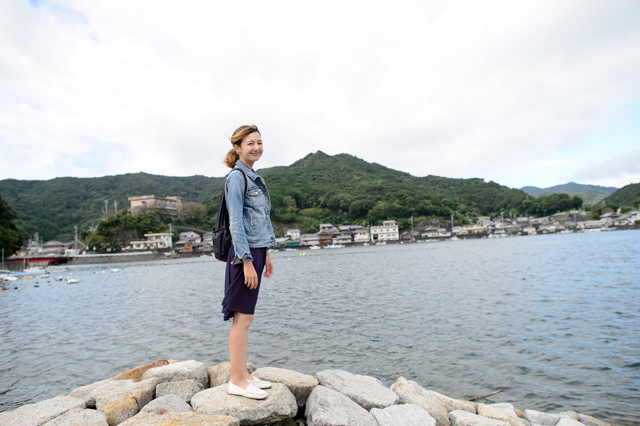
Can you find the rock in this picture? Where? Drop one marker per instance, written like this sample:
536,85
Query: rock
567,421
120,410
412,393
299,384
493,413
180,419
41,412
327,407
519,413
591,421
185,389
544,419
221,373
402,415
167,404
280,404
79,417
288,422
465,418
84,392
453,404
366,391
178,371
136,373
571,414
505,408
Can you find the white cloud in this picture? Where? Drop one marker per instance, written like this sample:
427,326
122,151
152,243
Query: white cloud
619,168
455,89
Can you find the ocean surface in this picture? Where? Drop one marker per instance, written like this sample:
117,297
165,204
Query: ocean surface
554,320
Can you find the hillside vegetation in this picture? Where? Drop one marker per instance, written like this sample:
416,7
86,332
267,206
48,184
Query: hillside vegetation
590,194
625,196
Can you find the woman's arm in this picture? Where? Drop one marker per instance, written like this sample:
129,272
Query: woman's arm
268,266
234,188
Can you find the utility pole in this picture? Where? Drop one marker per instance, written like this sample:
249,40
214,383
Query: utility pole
115,206
75,241
2,257
411,239
502,217
451,222
106,210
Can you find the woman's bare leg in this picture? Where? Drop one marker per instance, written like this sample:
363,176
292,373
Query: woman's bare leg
238,341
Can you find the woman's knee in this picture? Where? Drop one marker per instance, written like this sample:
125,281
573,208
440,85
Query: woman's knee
242,320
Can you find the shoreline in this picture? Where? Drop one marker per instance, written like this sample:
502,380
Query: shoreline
170,392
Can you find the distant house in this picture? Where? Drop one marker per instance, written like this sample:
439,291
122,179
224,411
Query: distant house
327,227
185,246
144,203
287,242
293,233
343,238
165,239
387,231
310,240
190,235
361,236
432,232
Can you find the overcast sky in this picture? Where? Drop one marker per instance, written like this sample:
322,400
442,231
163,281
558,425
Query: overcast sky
519,92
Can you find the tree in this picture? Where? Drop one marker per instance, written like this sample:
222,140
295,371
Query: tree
194,211
10,237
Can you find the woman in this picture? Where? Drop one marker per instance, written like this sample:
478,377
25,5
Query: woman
252,234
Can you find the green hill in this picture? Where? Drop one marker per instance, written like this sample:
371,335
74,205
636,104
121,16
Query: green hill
626,195
591,194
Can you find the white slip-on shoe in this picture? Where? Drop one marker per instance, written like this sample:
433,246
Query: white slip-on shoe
250,392
259,383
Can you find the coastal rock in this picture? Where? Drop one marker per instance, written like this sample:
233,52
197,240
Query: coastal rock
280,404
505,408
221,373
566,421
185,389
453,404
544,419
176,372
79,417
120,410
167,404
571,414
465,418
493,413
591,421
41,412
180,419
327,407
412,393
299,384
402,415
122,399
288,422
84,392
366,391
519,413
136,373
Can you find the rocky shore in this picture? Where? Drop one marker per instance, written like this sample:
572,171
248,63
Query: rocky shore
173,393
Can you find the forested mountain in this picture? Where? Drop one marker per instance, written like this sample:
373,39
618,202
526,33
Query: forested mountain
591,194
626,195
315,189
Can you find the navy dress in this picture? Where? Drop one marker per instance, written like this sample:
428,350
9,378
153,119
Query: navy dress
237,296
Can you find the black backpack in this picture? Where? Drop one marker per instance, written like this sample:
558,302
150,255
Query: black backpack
221,234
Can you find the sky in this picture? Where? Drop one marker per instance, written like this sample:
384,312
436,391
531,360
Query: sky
519,92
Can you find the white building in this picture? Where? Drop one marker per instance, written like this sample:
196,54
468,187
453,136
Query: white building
361,236
388,231
293,233
165,239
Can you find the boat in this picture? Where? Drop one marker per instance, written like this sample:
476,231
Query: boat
454,238
331,246
366,244
314,248
383,243
10,278
58,278
291,249
114,270
73,281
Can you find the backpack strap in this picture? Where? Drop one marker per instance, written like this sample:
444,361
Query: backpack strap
246,182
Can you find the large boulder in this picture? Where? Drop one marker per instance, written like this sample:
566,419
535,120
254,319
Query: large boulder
185,389
567,421
326,407
221,373
84,392
410,392
504,408
465,418
299,384
180,419
79,417
402,415
453,404
544,419
41,412
137,372
167,404
591,421
280,404
178,371
366,391
494,413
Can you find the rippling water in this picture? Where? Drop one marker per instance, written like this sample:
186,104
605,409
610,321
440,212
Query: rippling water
553,320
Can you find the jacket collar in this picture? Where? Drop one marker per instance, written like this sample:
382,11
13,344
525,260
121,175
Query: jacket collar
250,173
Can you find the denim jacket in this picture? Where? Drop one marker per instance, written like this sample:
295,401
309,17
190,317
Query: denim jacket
249,220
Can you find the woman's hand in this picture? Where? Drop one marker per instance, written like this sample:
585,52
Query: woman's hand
268,266
250,276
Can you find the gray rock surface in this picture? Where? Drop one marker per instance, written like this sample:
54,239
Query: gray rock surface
299,384
79,417
453,404
178,371
571,414
403,415
122,399
41,412
221,373
566,421
137,372
544,419
494,413
280,404
185,389
84,392
412,393
326,407
167,404
591,421
366,391
505,408
465,418
180,419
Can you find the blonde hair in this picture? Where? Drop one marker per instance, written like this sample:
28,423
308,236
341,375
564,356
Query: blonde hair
236,139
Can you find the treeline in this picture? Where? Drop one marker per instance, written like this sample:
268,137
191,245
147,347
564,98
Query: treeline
112,234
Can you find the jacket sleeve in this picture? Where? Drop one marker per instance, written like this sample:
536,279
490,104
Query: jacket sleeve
234,192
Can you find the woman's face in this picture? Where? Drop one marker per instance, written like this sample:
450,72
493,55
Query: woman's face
250,150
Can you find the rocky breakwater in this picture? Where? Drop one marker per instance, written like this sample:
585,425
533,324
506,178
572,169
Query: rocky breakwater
173,393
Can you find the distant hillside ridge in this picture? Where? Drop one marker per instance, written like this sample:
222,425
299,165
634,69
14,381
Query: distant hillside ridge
626,195
591,194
